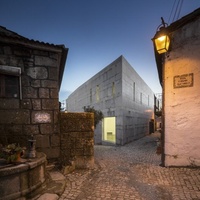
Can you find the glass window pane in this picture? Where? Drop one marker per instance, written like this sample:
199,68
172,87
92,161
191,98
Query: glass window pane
9,86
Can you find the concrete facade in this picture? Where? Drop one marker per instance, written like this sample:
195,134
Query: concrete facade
30,78
119,92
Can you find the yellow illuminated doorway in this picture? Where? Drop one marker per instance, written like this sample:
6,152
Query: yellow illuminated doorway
109,129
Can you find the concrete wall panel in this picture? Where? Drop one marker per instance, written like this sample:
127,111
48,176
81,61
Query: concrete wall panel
115,84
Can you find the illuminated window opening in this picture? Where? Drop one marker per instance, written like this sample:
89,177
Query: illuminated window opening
109,129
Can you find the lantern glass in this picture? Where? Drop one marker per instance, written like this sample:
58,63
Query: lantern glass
162,44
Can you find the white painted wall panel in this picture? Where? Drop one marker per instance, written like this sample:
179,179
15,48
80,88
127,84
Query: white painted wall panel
182,105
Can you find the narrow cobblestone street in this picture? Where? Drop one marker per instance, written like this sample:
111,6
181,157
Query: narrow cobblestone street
132,172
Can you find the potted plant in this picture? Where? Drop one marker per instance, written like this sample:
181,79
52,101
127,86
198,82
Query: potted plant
11,152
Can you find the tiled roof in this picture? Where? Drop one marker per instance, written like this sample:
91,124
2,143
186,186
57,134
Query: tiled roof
10,34
184,20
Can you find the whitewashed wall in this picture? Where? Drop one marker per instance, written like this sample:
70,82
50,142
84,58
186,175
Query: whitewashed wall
182,104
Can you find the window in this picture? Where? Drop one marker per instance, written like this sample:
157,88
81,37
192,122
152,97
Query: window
141,97
10,81
113,89
90,95
9,86
133,91
97,93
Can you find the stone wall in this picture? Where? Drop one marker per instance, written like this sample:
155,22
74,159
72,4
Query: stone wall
18,181
77,139
36,112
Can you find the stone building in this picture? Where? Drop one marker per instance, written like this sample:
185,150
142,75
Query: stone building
179,73
124,98
30,78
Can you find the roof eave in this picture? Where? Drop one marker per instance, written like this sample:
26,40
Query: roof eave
62,64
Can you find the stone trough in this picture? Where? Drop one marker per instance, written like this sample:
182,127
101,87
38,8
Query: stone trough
21,179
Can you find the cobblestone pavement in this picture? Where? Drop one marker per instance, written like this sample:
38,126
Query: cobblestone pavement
132,172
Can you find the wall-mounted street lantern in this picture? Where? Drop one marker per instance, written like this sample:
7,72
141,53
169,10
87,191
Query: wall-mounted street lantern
161,38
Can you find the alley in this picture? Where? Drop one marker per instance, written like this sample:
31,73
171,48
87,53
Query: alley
132,172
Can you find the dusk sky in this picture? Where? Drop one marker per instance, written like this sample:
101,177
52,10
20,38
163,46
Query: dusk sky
96,32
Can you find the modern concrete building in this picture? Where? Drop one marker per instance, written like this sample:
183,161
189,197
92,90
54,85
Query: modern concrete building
124,98
179,74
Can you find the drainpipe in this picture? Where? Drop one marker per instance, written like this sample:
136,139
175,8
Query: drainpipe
163,113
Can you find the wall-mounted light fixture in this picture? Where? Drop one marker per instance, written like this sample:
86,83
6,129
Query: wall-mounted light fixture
161,38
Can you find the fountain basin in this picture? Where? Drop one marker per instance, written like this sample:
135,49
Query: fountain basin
19,180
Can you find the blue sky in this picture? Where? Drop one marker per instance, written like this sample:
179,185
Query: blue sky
96,32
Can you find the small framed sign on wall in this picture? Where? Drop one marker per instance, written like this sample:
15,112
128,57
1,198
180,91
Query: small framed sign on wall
184,80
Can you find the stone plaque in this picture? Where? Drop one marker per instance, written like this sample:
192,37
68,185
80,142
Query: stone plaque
42,118
185,80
